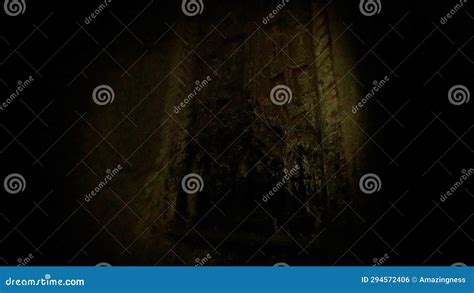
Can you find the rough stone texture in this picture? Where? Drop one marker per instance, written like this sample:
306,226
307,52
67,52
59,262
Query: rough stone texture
234,137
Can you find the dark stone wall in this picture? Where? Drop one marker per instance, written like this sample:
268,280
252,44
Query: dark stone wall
234,137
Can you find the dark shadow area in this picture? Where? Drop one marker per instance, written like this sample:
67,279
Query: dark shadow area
63,144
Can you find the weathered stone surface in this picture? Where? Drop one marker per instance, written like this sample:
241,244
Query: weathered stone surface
236,139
